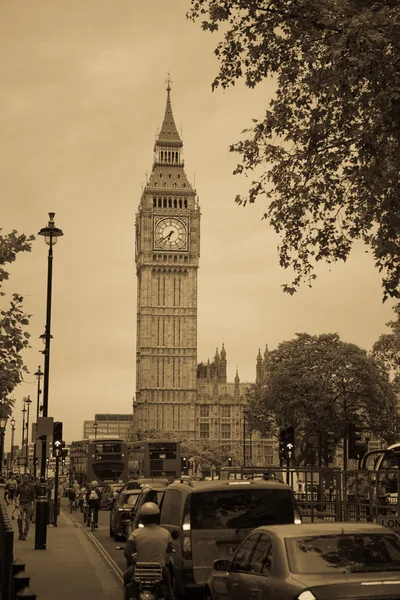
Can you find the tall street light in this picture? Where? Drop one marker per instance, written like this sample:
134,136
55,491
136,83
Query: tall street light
3,424
50,233
38,376
23,431
95,427
28,402
12,443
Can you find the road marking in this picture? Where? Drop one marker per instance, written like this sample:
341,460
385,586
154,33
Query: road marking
114,567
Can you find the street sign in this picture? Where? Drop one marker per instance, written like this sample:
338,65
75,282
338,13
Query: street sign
45,426
392,522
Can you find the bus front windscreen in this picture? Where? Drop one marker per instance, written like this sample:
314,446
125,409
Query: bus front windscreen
108,472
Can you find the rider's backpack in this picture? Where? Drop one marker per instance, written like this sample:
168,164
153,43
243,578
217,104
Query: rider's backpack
93,495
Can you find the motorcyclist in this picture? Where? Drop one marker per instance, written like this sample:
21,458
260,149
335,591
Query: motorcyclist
151,543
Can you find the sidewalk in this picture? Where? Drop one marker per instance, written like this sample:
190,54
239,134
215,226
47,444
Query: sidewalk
69,569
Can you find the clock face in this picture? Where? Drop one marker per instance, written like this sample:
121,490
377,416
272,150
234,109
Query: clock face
170,234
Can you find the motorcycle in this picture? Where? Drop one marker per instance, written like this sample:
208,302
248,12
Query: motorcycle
147,583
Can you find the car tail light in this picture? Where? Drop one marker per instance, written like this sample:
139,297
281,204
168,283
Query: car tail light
186,537
306,595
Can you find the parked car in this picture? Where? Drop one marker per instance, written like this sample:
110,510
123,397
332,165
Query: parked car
121,513
209,519
311,561
109,495
149,493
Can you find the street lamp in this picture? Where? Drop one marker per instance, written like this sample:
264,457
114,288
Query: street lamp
95,427
28,402
50,233
38,376
12,443
23,429
3,424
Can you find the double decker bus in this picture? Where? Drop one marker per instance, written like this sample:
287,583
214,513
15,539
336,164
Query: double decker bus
102,459
154,458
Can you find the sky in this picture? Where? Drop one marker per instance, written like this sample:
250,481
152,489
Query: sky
82,92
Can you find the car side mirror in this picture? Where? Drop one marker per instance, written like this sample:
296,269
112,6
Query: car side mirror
175,534
222,564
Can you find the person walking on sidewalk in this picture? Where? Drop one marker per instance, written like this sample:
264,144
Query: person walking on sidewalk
24,498
11,487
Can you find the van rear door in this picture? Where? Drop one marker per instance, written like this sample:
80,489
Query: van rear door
220,519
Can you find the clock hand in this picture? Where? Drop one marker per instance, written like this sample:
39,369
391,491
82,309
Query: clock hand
167,237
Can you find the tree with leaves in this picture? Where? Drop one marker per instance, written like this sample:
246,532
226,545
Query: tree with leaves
326,154
387,348
14,337
318,384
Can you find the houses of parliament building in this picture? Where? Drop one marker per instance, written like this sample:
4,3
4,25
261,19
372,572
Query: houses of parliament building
173,391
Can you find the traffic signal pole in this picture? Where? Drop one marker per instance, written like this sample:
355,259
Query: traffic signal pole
56,487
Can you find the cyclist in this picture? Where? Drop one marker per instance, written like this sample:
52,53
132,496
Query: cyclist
151,543
76,487
71,498
24,497
93,497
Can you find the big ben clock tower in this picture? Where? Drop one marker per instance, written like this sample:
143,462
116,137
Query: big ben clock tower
167,259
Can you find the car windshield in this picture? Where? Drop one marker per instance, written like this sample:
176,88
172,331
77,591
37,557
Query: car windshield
344,553
235,509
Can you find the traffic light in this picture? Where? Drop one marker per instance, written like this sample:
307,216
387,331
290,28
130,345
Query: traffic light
229,462
290,443
357,448
330,445
282,444
57,436
184,465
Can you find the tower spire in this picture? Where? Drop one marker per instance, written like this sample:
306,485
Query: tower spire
168,133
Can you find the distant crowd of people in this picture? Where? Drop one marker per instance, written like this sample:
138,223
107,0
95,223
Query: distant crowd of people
21,492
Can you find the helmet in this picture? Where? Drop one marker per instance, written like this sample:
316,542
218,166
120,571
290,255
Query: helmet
149,509
94,483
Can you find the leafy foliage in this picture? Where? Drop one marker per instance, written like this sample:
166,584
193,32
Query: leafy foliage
326,155
387,348
13,322
318,384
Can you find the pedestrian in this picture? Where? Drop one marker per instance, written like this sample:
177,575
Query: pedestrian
24,497
11,488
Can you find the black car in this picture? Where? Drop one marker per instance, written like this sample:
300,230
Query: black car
122,513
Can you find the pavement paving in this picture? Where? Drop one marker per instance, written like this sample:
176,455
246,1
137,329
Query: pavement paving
71,567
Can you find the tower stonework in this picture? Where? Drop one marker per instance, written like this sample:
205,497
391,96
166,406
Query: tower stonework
167,255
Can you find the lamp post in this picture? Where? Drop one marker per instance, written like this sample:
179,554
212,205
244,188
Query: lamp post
38,376
23,431
12,444
50,233
3,424
28,402
95,427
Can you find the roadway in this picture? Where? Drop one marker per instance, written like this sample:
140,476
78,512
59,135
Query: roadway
106,546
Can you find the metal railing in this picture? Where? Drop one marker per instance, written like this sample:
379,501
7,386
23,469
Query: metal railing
14,582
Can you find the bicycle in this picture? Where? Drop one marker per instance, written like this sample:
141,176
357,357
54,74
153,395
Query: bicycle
92,519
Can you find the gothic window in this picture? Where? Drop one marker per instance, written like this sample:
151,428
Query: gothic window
180,203
179,176
184,185
204,411
154,202
165,184
159,203
175,203
175,185
185,203
160,175
165,203
174,291
169,175
225,411
162,156
155,184
225,431
204,430
169,202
